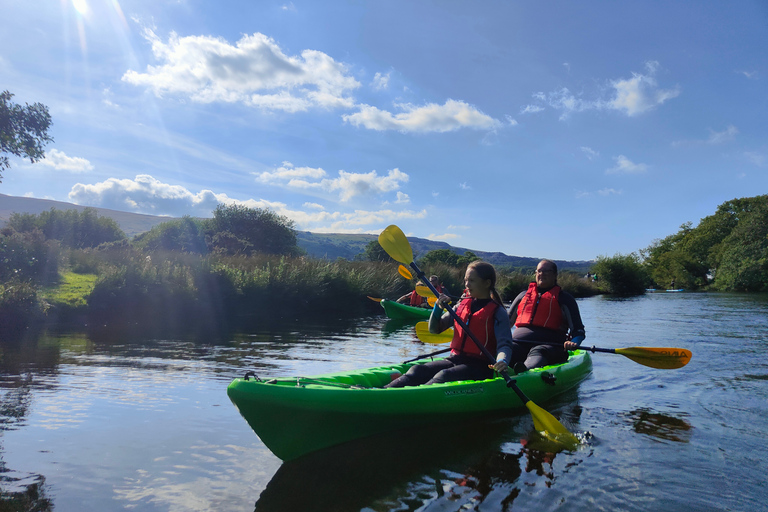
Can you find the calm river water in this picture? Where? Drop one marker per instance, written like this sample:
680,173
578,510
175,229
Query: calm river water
94,425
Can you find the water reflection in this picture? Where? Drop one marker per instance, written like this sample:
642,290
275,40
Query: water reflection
660,426
364,472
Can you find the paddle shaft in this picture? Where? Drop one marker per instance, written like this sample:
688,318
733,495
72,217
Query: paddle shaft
443,351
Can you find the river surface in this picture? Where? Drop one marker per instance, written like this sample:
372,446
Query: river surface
145,424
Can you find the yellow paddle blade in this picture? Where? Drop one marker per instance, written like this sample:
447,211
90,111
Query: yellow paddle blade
374,299
431,301
550,427
422,332
424,291
403,270
394,242
663,358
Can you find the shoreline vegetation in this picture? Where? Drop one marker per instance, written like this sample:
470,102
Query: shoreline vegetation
74,270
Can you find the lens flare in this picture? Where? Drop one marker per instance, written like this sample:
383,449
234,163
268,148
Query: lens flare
80,6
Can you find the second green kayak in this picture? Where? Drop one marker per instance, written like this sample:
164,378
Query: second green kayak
399,311
297,415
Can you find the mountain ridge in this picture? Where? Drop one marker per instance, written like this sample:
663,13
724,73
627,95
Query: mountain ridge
319,245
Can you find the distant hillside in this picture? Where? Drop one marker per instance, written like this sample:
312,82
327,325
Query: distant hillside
319,245
131,223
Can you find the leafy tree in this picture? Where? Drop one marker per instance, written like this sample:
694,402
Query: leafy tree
448,257
23,130
374,252
621,274
743,256
259,230
185,235
74,229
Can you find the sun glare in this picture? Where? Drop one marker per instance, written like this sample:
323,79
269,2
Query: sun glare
80,6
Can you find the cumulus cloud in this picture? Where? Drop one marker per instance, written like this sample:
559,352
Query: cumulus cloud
451,116
640,93
145,194
61,162
254,71
347,185
625,166
632,96
443,237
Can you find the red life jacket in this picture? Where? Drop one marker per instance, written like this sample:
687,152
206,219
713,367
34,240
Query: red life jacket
481,325
416,299
540,310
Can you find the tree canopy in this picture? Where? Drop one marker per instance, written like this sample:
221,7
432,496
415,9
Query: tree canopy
74,229
448,257
239,229
23,130
728,250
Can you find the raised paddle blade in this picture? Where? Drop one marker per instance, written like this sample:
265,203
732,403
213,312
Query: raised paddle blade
422,332
394,242
374,299
424,291
431,301
663,358
403,271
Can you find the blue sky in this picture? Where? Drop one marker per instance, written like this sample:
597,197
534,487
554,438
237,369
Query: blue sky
555,129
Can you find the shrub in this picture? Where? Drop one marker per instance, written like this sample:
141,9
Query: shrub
621,274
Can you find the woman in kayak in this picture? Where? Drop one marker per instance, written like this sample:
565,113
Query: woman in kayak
482,310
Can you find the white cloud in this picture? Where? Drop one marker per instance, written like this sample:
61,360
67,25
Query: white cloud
631,96
254,71
348,184
380,81
443,237
402,198
640,93
589,152
464,186
724,136
61,162
531,109
625,166
451,116
145,194
608,192
288,173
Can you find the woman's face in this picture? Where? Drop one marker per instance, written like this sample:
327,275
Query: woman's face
478,287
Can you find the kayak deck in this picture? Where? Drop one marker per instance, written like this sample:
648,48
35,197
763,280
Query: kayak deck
298,415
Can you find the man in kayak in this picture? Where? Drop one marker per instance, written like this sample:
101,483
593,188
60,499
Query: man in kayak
482,310
547,315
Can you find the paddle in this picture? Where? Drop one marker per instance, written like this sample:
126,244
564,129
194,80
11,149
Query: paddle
662,358
374,299
394,242
422,332
403,270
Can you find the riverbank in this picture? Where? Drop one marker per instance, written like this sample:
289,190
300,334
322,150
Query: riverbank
120,288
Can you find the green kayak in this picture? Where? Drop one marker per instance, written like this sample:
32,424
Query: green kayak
399,311
297,415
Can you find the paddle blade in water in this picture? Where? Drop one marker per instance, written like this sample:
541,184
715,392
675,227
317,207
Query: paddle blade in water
374,299
551,428
657,357
424,291
422,332
403,270
394,242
